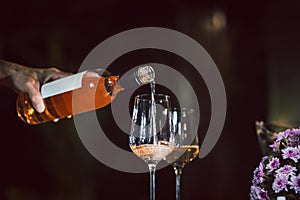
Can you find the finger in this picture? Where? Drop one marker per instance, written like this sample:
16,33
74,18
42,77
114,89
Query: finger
57,75
38,103
35,95
91,74
53,74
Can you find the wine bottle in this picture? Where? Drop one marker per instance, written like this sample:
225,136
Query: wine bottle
78,93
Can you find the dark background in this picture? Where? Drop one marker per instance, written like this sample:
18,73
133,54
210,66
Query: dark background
255,45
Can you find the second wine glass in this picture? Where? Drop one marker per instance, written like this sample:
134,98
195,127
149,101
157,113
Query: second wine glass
186,143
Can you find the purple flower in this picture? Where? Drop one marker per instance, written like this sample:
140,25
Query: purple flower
293,140
280,183
295,132
264,159
295,183
258,175
273,164
292,133
259,172
275,146
283,134
257,192
287,170
291,153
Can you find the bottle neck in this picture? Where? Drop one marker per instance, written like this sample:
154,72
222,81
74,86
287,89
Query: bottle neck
128,80
112,86
137,76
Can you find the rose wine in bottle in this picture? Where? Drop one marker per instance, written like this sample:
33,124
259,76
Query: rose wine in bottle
76,94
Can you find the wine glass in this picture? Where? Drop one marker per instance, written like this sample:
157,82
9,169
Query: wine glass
186,143
151,137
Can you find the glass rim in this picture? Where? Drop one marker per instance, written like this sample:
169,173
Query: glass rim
147,97
186,109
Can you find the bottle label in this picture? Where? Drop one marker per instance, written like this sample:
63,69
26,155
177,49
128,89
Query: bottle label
62,85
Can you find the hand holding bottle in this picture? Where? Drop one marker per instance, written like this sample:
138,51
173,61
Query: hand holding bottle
28,80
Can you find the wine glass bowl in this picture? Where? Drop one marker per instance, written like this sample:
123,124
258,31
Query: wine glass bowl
151,135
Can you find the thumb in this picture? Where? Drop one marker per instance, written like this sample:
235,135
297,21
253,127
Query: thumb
36,98
38,103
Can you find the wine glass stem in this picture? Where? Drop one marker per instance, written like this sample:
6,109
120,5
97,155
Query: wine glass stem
152,168
178,172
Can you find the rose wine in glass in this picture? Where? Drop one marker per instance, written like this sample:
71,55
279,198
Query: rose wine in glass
151,133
